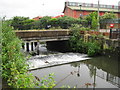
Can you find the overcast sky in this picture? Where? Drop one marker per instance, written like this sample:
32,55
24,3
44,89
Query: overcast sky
33,8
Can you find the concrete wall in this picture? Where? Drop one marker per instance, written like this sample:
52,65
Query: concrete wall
41,33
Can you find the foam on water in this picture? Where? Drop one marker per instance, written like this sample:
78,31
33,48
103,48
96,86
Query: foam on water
40,61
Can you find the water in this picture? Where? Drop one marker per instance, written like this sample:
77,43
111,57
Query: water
97,72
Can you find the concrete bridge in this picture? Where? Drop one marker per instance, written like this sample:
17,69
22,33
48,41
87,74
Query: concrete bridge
33,38
43,35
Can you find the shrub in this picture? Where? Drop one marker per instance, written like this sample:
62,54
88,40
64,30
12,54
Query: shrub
14,67
92,48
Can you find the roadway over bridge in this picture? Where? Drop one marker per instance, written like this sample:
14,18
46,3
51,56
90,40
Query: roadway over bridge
43,35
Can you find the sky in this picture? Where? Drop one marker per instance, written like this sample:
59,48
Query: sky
34,8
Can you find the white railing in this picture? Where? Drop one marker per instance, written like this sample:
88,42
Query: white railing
92,5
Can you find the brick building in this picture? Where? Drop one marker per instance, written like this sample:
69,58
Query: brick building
76,10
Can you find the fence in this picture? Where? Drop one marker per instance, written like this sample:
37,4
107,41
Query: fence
92,5
115,33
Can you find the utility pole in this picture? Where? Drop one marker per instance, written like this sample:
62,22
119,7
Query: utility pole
98,16
80,11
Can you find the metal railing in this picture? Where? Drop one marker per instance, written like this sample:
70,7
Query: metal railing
110,21
115,33
92,5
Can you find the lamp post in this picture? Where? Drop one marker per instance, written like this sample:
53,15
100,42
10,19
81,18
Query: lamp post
80,9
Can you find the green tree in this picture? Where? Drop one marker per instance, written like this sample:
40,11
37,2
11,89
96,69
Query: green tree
66,22
22,23
28,24
54,22
92,20
42,23
108,16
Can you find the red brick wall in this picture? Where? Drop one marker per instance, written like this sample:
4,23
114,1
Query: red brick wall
76,14
82,13
68,12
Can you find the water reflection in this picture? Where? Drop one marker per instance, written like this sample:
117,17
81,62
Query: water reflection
103,67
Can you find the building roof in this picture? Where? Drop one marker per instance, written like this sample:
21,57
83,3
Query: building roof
58,16
37,18
92,9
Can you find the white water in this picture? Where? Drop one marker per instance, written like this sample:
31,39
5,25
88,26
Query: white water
40,61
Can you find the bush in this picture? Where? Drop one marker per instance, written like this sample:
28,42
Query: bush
66,22
14,67
92,48
42,23
22,23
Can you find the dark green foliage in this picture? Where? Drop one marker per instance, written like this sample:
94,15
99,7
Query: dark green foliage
61,22
54,22
22,23
65,22
76,39
42,23
92,48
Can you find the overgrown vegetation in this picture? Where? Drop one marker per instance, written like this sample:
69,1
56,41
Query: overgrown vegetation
92,48
48,82
14,67
22,23
92,20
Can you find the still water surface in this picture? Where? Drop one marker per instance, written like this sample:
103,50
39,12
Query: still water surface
97,72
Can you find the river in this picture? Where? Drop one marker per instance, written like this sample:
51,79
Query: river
77,70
